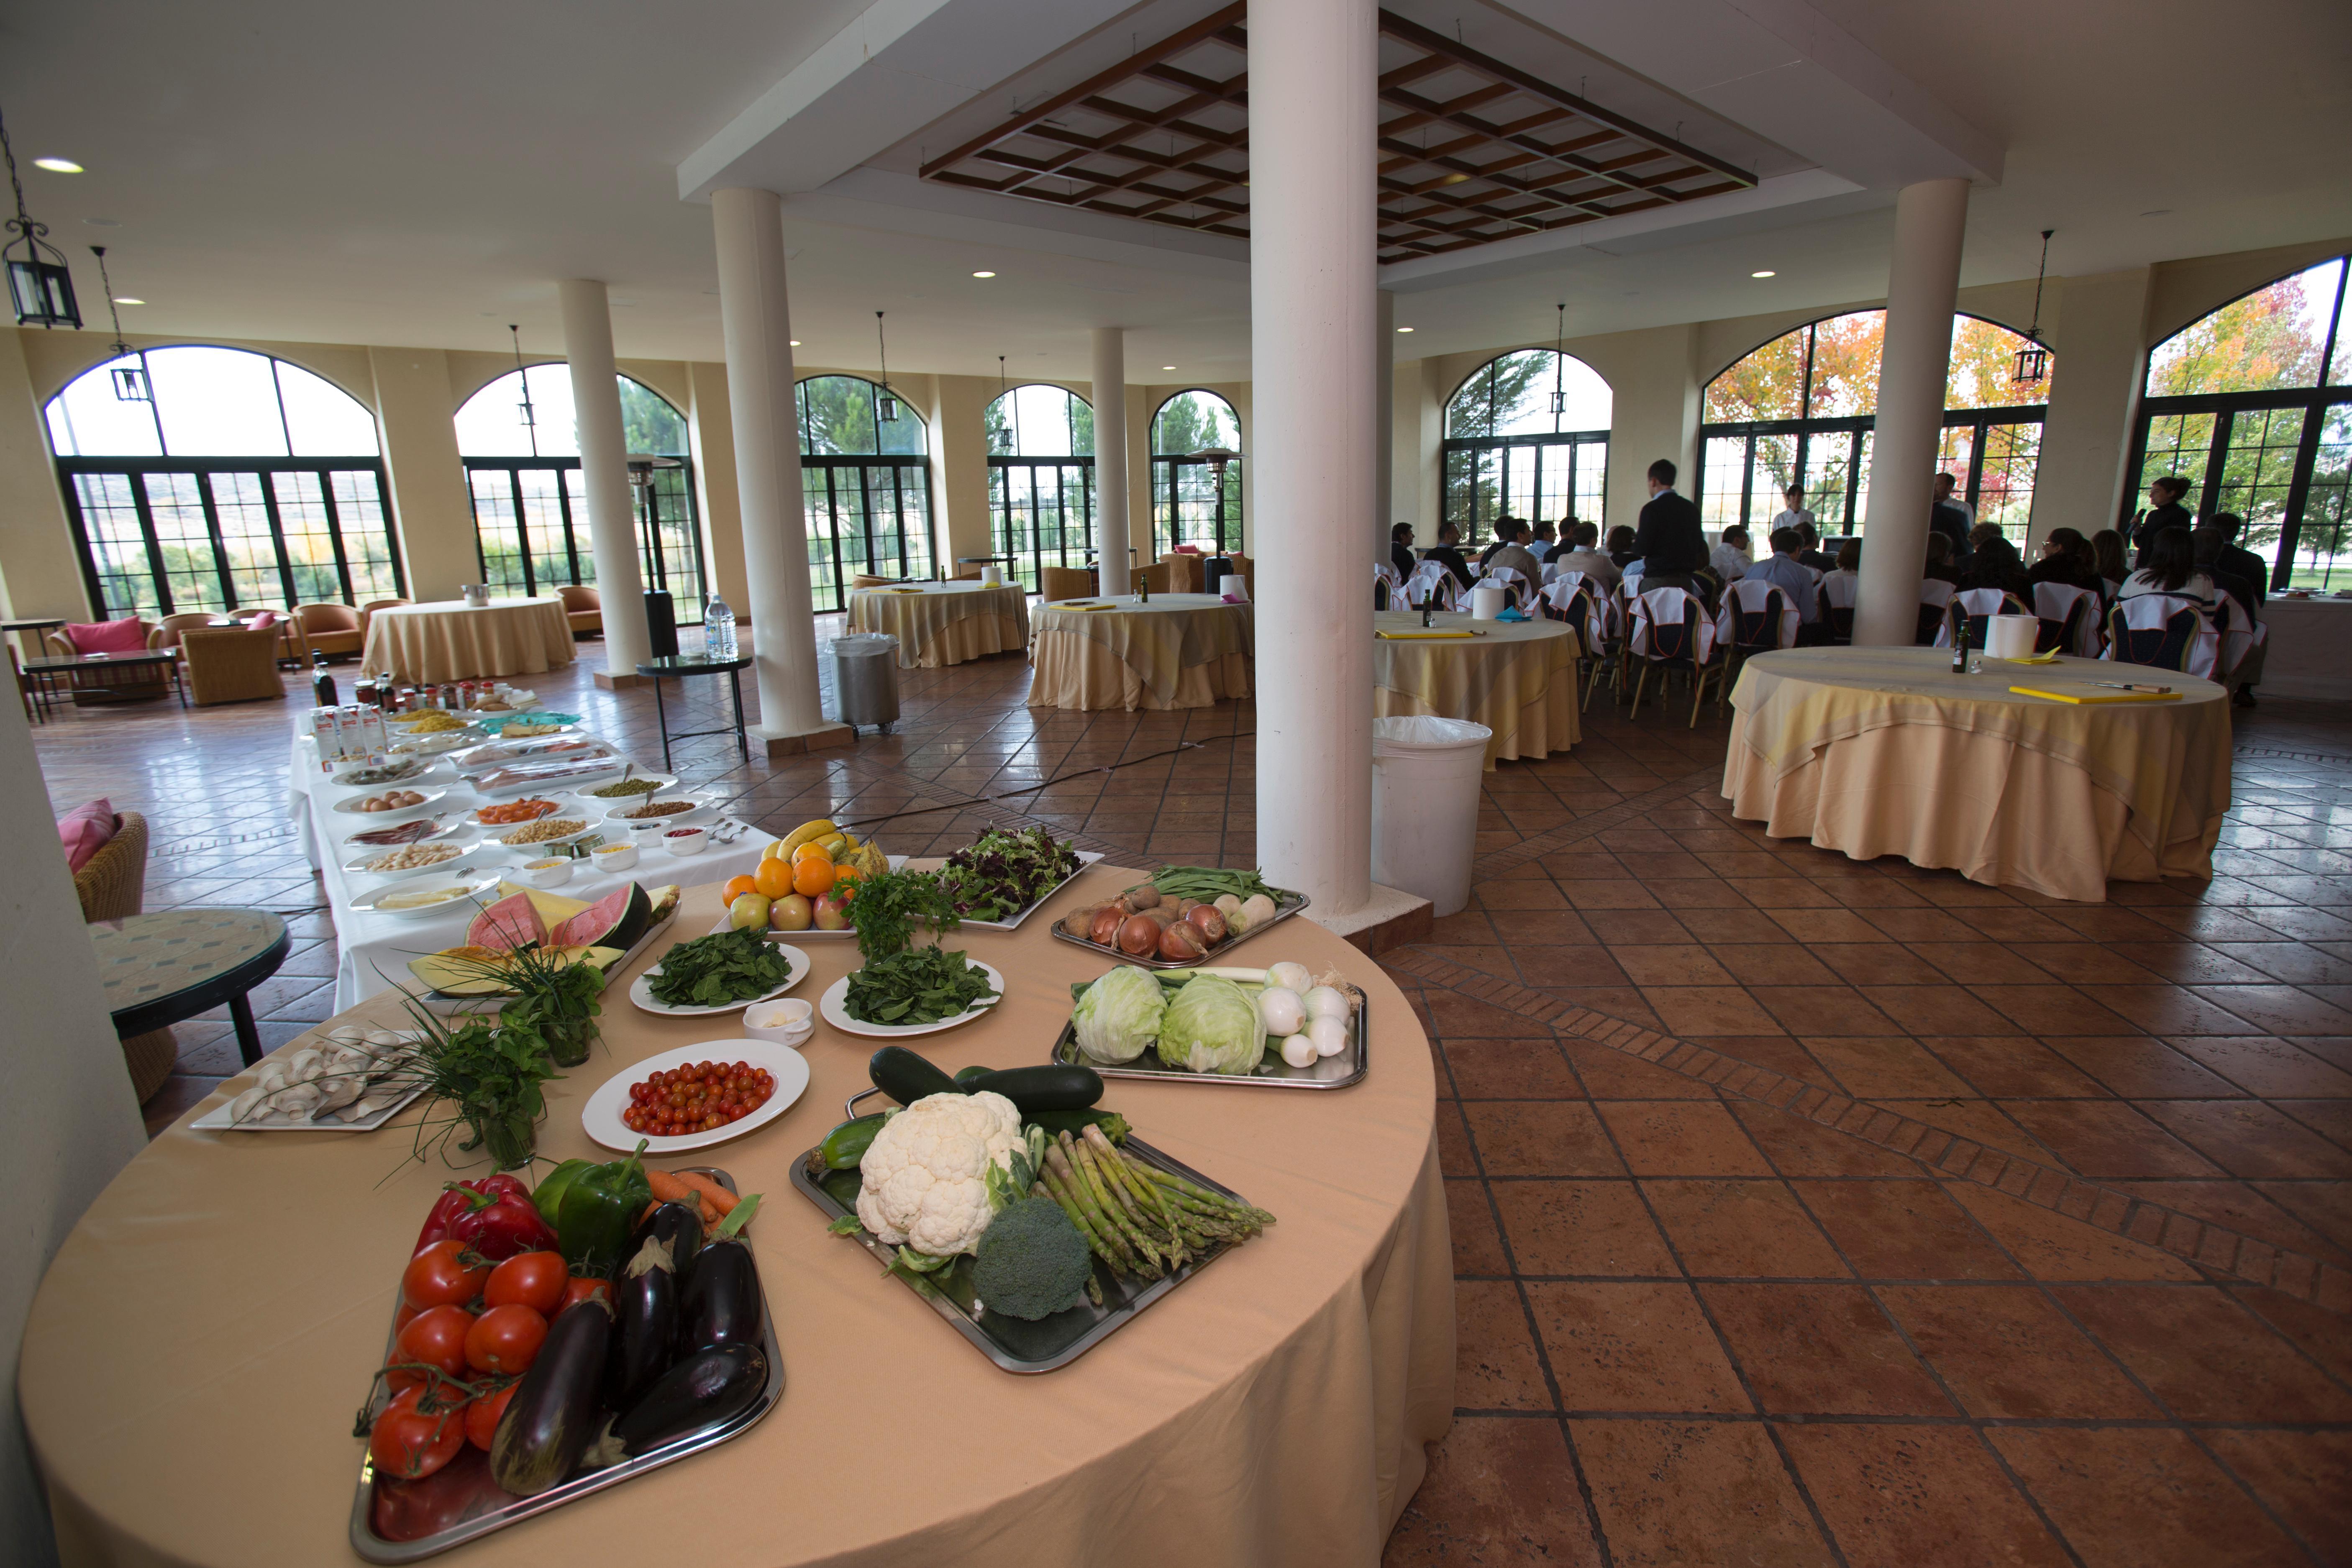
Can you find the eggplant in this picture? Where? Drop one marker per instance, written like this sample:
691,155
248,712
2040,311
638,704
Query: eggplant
680,1224
644,1324
551,1418
720,1304
701,1391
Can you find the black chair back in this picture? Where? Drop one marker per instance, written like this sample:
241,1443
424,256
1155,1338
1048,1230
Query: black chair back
2062,634
2159,647
1758,631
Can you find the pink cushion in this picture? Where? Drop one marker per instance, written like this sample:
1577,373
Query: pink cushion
125,636
83,831
1184,549
261,620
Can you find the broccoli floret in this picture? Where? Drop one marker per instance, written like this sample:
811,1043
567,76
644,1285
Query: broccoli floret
1032,1262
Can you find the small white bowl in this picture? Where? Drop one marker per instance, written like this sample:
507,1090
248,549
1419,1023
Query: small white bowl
785,1022
615,856
684,841
553,872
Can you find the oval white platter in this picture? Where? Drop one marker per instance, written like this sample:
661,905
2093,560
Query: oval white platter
830,1006
467,890
641,990
358,865
601,1117
350,805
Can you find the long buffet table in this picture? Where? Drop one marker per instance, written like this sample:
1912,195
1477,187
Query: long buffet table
195,1354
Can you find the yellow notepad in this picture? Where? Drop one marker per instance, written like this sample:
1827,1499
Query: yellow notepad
1426,636
2081,700
1084,607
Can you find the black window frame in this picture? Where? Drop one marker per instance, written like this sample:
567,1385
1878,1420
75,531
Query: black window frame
1028,566
1472,447
835,464
1860,425
652,567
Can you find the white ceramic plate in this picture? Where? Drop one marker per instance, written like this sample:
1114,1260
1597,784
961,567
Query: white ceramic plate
603,806
447,865
217,1120
350,805
492,830
601,1117
830,1007
452,826
701,813
470,888
418,768
812,935
641,990
537,848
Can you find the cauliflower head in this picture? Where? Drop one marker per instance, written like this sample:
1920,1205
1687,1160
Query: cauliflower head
924,1179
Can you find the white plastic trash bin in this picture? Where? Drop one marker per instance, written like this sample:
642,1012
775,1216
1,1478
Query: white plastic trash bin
1427,776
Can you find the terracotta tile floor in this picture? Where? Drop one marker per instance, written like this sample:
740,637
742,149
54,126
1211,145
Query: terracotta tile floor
1804,1210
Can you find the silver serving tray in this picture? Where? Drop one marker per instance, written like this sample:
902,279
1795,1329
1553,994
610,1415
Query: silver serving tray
1328,1072
1011,1343
482,1506
1285,907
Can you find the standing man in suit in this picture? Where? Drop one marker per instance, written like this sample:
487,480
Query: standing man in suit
1672,545
1951,521
2163,510
1947,493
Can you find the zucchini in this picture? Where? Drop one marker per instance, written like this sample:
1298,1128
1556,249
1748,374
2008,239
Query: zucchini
1076,1122
965,1075
1051,1086
847,1144
907,1077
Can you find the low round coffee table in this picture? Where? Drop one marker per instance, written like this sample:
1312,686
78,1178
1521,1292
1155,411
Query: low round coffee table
171,965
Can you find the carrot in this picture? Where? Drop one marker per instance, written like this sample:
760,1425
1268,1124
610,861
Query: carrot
714,1197
668,1189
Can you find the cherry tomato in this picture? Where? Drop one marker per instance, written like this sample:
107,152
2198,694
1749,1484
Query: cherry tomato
482,1417
411,1441
505,1340
533,1279
437,1277
436,1336
582,1288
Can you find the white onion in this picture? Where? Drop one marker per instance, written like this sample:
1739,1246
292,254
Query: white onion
1322,1002
1291,977
1330,1035
1256,910
1281,1011
1299,1051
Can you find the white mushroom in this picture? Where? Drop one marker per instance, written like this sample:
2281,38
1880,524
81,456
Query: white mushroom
370,1104
272,1077
340,1091
305,1065
299,1100
347,1035
248,1107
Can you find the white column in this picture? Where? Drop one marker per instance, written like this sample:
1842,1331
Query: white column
1110,456
748,225
1313,66
1922,282
605,474
1383,421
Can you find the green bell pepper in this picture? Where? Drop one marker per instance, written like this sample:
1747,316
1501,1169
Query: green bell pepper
597,1212
548,1197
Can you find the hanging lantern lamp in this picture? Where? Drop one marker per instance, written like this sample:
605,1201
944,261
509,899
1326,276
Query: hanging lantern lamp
40,285
1000,440
886,406
524,411
131,383
1559,366
2033,360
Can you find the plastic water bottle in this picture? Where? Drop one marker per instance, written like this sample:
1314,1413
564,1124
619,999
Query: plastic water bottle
717,629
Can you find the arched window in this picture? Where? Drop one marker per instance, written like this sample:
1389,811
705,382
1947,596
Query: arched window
1040,478
520,437
1801,410
212,478
1186,508
2253,406
866,487
1526,435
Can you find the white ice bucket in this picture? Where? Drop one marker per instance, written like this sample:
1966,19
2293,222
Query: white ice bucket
991,577
1485,604
2012,636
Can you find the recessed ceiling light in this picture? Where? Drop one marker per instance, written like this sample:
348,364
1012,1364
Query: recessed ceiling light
984,275
124,299
1768,272
58,166
1167,367
1404,329
796,343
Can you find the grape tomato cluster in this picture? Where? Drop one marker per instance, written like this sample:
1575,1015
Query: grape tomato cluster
695,1096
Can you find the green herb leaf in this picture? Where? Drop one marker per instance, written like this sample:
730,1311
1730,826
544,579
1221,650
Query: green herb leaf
918,985
713,971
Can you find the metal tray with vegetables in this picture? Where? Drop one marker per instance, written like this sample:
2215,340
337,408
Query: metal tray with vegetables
577,1398
1182,915
1279,1028
1066,1225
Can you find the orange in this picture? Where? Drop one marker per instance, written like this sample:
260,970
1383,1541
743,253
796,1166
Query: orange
842,877
773,879
811,877
811,852
737,887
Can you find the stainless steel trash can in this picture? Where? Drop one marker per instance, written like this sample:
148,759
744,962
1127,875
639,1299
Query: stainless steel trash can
866,679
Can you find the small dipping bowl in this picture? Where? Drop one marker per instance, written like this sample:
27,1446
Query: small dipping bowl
686,840
784,1022
549,873
615,856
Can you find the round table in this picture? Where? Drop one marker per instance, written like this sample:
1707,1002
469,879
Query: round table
1176,650
939,624
1517,678
1884,751
159,969
452,640
677,667
220,1432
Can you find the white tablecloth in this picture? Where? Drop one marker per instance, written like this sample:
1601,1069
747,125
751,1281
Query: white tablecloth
2308,644
375,948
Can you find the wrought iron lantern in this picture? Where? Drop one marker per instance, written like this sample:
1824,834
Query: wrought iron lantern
1559,365
41,285
2032,366
885,407
131,385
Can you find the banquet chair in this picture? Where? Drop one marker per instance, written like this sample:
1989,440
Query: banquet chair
2070,619
1388,588
1979,605
1575,598
1838,593
112,885
1935,600
1431,577
1757,618
1056,582
367,615
2163,631
2240,635
1513,583
1672,631
231,664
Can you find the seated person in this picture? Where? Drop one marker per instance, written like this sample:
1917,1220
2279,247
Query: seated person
1849,558
1511,551
2206,542
1621,547
1994,564
2107,557
1939,560
2066,559
1786,573
1809,552
1505,529
2171,568
1583,553
1730,560
1401,554
1544,542
1447,552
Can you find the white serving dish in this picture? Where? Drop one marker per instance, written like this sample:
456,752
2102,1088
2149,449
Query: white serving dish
702,812
830,1007
492,830
789,1022
349,805
686,840
454,825
537,848
613,857
605,805
549,872
470,888
641,990
601,1117
358,866
422,767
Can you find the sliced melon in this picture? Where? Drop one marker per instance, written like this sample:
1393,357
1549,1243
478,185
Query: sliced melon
513,921
553,910
616,920
477,971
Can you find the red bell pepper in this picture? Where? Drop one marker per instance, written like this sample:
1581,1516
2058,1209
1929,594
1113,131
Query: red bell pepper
491,1215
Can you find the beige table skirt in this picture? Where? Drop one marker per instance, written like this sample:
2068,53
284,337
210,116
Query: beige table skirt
450,641
1896,755
1181,650
1519,680
187,1409
945,624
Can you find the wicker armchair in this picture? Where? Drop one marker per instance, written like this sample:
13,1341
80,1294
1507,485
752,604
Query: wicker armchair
864,581
1246,569
585,608
230,664
331,629
60,646
165,638
1184,572
1064,583
111,886
1159,575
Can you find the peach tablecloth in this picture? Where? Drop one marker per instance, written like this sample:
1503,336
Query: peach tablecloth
453,641
194,1358
1517,678
1878,751
1180,650
941,624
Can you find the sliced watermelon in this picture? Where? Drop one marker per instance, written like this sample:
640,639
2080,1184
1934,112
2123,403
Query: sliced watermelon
616,920
510,923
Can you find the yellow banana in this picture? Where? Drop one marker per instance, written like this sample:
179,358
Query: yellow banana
801,835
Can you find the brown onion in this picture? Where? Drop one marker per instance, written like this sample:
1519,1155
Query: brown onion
1181,942
1139,936
1104,930
1211,923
